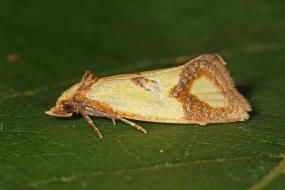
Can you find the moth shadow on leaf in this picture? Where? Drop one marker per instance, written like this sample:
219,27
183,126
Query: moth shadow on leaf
247,90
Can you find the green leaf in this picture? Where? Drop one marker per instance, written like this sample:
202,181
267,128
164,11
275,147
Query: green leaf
47,45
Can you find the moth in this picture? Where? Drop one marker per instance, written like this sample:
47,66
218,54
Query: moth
198,92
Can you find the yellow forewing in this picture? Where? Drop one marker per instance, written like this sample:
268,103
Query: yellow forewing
149,101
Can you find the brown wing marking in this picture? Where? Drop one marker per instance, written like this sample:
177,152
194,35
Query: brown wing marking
211,66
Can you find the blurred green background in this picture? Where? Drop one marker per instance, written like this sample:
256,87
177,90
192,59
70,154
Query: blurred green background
45,46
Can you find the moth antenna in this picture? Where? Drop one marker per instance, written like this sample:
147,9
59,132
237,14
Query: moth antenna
85,75
133,124
88,76
87,118
87,80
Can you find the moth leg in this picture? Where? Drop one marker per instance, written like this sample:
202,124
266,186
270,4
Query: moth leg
114,122
87,118
133,125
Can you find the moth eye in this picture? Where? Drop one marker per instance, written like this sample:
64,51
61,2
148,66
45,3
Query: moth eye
68,108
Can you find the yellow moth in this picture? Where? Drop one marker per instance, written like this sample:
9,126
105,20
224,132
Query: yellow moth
200,91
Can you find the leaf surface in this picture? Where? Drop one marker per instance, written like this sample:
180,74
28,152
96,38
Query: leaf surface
46,47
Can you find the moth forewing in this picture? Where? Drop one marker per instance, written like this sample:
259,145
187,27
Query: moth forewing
141,97
201,91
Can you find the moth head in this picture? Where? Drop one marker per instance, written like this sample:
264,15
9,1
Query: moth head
65,106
